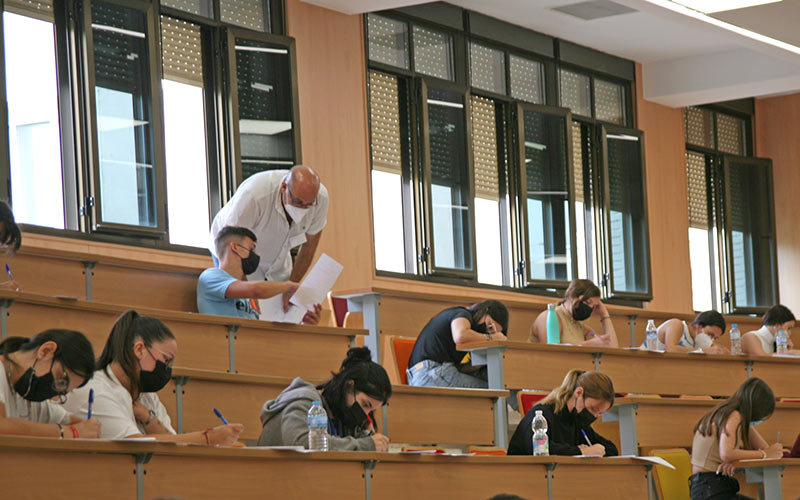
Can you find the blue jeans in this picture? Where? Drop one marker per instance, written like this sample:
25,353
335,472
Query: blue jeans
432,374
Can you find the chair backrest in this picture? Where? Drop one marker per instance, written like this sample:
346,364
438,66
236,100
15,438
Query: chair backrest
338,308
673,484
402,353
528,399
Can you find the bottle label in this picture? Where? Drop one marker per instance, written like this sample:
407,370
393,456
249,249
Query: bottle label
318,421
541,447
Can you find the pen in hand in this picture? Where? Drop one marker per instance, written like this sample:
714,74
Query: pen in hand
91,400
219,414
586,437
8,272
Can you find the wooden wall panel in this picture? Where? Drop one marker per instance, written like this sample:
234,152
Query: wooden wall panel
777,123
333,123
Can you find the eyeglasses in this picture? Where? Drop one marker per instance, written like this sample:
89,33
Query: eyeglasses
61,386
297,202
168,358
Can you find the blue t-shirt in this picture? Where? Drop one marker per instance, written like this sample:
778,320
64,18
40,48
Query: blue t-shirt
211,287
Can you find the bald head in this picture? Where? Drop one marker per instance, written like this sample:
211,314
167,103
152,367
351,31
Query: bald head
303,183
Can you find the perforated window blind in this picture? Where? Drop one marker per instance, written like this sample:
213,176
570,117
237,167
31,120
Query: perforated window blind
698,189
245,13
609,101
484,148
198,7
699,127
730,134
40,9
433,53
577,160
527,80
384,113
387,41
181,48
487,68
575,92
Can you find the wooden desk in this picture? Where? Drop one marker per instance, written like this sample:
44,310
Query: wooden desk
777,479
102,469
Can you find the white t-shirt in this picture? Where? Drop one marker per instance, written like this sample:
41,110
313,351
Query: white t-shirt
766,338
686,340
257,206
113,406
46,412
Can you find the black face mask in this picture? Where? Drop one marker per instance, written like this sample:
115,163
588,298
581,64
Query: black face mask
354,416
155,380
481,328
581,311
585,417
34,388
250,264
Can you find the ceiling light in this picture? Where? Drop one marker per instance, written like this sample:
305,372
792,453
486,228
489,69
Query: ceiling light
709,6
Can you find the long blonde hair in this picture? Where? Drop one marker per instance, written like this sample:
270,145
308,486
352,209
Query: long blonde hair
595,385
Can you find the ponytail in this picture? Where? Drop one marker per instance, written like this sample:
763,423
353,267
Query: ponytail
74,349
119,346
595,385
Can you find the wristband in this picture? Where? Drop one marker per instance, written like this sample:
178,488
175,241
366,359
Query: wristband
763,453
150,419
605,318
205,433
74,431
60,431
488,336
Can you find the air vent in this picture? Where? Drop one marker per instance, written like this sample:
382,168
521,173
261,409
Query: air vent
596,9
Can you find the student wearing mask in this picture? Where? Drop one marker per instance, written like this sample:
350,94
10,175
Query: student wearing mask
570,410
35,370
674,335
350,397
761,342
135,364
435,361
727,434
285,209
225,291
581,300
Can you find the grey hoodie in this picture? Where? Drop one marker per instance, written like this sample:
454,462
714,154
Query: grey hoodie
285,420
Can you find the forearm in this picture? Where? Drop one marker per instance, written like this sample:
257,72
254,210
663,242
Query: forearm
735,454
268,289
466,336
303,261
677,348
156,427
608,330
20,427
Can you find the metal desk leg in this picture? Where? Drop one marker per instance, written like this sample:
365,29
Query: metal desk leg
625,414
770,477
493,359
368,304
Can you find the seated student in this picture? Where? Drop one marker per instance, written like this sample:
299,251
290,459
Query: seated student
350,397
435,361
136,363
674,335
10,240
225,291
581,300
35,370
726,434
570,410
761,342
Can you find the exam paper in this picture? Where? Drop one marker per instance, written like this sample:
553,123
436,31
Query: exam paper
272,310
655,460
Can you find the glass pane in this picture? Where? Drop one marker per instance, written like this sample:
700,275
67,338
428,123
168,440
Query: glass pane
730,134
125,136
527,80
628,225
387,41
487,190
582,168
185,133
699,250
199,7
487,69
33,128
433,53
751,236
265,107
547,197
252,14
609,101
699,127
575,92
452,234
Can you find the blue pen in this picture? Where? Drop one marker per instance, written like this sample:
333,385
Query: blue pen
217,413
91,400
8,272
586,437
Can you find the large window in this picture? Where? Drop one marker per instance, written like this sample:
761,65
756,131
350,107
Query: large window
478,175
731,216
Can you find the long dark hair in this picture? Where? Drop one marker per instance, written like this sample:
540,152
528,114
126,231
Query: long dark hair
581,289
368,377
710,318
497,310
74,349
119,346
9,231
753,400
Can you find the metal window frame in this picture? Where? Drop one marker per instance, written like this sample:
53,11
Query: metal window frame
566,115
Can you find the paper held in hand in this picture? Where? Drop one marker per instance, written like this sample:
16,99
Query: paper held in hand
312,290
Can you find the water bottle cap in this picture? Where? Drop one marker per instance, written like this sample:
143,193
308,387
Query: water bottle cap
316,403
734,325
781,331
538,412
551,306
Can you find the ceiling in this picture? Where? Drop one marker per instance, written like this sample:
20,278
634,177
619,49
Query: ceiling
685,60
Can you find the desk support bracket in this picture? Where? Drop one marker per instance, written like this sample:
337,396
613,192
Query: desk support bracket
625,414
749,369
632,325
141,459
369,465
550,469
232,329
88,265
368,304
4,305
597,357
179,383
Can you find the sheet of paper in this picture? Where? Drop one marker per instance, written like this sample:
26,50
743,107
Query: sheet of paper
289,448
133,440
317,283
272,310
655,460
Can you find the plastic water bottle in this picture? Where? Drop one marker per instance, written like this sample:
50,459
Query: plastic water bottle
317,427
782,342
651,339
541,446
553,333
736,339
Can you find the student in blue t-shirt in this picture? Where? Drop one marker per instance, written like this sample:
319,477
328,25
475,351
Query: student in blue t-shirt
224,290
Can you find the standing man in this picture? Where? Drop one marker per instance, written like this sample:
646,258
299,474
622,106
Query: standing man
284,209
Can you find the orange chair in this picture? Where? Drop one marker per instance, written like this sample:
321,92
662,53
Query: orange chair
402,353
528,399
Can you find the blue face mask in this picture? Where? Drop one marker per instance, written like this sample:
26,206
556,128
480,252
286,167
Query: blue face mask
756,422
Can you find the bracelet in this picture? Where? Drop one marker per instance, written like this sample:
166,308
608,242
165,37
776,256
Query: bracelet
488,336
205,433
74,431
60,431
605,318
149,420
763,453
